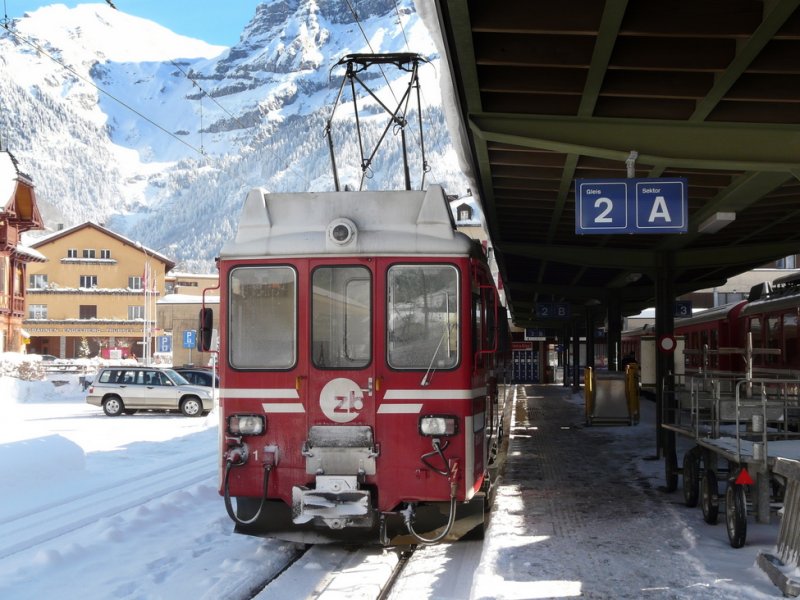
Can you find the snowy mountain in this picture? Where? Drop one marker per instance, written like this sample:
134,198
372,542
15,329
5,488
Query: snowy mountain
158,136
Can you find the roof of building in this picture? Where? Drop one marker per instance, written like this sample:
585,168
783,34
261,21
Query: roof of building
46,239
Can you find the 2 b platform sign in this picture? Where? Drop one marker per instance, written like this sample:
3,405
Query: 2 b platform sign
608,206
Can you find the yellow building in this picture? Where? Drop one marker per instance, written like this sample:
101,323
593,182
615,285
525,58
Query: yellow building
96,294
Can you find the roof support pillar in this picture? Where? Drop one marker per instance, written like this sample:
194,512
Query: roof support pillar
590,338
665,360
614,317
576,356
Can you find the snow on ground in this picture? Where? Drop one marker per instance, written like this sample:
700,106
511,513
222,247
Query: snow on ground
127,507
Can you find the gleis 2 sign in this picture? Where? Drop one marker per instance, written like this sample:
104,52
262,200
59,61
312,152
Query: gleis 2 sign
608,206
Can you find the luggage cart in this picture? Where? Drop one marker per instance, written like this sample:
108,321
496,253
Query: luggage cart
736,429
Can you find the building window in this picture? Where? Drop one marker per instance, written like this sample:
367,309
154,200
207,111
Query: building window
72,253
38,281
135,282
105,253
135,312
88,281
87,311
37,311
88,253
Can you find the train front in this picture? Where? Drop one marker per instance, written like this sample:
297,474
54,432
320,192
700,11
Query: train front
356,365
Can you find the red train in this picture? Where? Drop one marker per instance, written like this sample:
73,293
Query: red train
362,364
757,336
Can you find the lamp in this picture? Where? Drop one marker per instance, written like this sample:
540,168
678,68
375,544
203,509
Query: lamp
716,222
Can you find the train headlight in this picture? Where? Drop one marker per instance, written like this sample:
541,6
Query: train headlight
438,425
342,232
247,424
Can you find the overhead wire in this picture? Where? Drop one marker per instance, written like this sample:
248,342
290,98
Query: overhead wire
422,93
388,83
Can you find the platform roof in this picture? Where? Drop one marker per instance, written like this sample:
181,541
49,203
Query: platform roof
549,92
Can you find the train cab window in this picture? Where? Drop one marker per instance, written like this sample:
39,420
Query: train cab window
341,310
262,320
422,318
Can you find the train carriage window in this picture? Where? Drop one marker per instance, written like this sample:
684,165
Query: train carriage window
789,357
713,344
262,327
341,318
754,327
422,317
773,339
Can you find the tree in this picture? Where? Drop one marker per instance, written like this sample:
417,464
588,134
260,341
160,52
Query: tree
83,350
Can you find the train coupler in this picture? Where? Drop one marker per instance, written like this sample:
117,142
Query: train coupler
336,502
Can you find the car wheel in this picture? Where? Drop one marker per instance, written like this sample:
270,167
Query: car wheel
113,406
191,406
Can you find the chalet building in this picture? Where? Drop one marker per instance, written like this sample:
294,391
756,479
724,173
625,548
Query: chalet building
96,294
18,213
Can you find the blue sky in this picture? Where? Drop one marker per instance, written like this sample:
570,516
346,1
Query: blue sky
213,21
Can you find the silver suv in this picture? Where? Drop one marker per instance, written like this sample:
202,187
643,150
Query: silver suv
128,389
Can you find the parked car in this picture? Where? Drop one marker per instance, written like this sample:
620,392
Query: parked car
128,389
199,376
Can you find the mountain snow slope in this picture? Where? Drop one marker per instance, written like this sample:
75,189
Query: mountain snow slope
158,136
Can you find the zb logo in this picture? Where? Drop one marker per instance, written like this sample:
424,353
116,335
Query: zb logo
341,400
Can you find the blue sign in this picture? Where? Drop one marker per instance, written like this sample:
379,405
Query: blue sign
682,308
163,343
553,310
532,333
189,338
607,206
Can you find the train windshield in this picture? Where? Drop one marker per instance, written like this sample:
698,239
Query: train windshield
262,322
341,318
422,319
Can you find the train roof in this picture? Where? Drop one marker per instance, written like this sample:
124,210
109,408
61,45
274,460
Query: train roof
347,223
712,314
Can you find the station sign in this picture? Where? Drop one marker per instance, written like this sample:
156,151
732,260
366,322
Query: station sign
552,310
609,206
535,334
682,308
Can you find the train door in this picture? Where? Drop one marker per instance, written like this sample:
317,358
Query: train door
341,368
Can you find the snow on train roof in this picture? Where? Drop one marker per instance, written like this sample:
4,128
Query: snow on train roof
353,223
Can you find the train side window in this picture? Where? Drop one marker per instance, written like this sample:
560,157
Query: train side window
754,327
713,342
341,322
422,320
789,339
773,338
262,320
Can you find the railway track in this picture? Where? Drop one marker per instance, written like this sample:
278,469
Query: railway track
46,522
332,572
